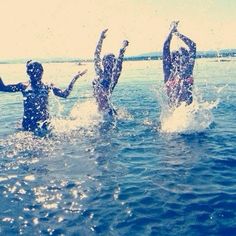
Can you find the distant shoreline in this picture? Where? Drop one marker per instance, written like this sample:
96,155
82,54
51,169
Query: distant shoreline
82,62
219,56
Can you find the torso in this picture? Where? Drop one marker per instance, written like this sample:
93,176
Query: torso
101,90
35,106
179,89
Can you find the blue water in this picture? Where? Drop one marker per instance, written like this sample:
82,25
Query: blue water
129,178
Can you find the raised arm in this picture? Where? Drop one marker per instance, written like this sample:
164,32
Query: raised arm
166,57
97,57
11,88
189,43
192,53
118,65
65,93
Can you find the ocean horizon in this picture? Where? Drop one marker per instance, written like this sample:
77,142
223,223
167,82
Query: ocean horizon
222,53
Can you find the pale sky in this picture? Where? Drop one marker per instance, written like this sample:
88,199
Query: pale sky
70,28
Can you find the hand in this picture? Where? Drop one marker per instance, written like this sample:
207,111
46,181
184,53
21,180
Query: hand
79,74
173,26
125,43
82,73
103,34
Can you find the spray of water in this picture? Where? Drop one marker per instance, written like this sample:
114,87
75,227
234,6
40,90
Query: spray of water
83,115
192,118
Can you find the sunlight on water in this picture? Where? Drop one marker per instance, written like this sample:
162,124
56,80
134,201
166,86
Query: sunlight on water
129,178
29,178
26,144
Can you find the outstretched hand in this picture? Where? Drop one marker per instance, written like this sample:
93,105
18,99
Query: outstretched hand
103,34
173,26
125,43
80,74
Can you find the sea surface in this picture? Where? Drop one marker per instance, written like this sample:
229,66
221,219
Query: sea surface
148,172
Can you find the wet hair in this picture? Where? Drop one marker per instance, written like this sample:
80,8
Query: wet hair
108,61
175,55
183,52
181,56
34,69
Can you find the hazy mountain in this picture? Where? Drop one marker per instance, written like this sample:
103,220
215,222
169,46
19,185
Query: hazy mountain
143,56
200,54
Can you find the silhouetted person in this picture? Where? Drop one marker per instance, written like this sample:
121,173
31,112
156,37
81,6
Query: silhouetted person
178,69
36,93
108,71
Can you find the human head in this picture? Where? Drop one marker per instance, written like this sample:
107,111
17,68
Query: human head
34,70
175,57
184,55
108,61
180,58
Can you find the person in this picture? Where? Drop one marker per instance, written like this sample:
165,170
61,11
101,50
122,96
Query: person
106,77
178,69
35,94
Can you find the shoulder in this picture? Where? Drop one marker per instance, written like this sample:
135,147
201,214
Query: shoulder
48,86
22,86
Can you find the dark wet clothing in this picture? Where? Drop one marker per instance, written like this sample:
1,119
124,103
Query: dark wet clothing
106,80
35,98
179,90
36,114
178,71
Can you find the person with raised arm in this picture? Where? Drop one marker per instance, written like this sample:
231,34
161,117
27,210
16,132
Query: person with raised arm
178,68
35,94
108,71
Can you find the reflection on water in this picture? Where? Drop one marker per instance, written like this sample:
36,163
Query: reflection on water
90,177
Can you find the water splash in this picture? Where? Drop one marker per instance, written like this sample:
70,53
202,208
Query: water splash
192,118
83,115
123,114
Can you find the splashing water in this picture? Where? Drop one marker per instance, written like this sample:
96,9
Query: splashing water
123,114
192,118
188,118
83,115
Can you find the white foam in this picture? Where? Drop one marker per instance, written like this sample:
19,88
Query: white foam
82,115
29,178
192,118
